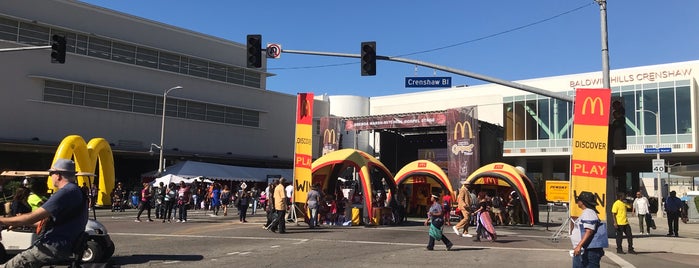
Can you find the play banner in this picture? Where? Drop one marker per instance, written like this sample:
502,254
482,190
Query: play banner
330,127
303,150
588,166
462,142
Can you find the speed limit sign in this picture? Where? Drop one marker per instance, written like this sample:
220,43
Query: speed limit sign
274,51
658,165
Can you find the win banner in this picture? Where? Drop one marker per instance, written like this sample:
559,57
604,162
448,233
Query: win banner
588,164
303,150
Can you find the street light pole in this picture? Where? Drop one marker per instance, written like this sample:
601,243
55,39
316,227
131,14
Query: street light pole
162,130
657,156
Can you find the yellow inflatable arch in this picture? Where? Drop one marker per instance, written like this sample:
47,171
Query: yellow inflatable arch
85,157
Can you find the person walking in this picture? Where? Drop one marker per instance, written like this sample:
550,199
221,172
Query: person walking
63,218
243,202
145,202
484,224
280,205
641,207
673,206
464,202
216,198
225,199
271,213
588,251
312,201
435,220
621,223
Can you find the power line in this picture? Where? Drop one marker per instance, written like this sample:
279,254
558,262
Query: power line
448,46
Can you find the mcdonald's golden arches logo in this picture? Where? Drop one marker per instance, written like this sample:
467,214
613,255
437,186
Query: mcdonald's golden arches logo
462,126
329,136
593,103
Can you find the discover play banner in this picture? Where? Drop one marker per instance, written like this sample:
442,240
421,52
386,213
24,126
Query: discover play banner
588,165
303,150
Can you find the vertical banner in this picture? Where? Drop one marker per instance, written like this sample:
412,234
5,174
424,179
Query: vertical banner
462,142
330,127
303,151
588,165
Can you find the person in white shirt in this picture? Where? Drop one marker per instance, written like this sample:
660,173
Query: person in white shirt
641,208
289,199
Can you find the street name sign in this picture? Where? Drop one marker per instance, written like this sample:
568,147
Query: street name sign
434,81
664,150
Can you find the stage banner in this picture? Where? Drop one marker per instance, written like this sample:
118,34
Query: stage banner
462,142
330,127
303,151
396,121
588,164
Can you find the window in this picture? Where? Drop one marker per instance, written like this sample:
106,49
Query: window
58,92
146,57
124,53
99,48
667,110
33,34
120,100
215,113
145,104
196,110
96,97
8,29
684,110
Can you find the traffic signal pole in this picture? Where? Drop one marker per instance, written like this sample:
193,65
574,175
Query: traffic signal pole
23,48
494,80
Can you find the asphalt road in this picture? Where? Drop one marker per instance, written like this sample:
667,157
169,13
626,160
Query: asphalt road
211,241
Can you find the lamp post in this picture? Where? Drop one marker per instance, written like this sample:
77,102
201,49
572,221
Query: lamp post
162,130
657,156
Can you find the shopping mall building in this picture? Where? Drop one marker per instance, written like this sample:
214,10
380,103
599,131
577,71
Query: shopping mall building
119,66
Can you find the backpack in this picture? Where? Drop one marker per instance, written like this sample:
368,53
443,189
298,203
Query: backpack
497,202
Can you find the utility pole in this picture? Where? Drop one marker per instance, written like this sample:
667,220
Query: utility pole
611,158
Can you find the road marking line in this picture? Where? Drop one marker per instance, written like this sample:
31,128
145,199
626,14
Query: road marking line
618,260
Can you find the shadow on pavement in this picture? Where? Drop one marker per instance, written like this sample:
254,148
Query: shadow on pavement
145,258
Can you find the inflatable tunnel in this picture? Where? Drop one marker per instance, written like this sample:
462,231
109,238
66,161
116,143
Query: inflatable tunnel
417,171
504,175
327,169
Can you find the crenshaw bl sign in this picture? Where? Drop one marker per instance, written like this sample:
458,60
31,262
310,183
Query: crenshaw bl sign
428,82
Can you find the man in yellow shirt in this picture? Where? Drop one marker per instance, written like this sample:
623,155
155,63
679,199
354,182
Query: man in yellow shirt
621,224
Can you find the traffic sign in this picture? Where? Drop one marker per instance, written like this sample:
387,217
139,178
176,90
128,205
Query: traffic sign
658,165
274,51
663,150
428,81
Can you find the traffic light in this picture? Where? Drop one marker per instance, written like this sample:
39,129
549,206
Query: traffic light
617,127
254,50
58,49
368,58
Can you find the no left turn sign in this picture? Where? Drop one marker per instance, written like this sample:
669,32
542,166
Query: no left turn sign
274,51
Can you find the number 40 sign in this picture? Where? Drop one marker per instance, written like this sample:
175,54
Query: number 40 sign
658,165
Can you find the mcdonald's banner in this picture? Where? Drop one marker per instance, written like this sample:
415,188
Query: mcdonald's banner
303,151
462,143
330,126
85,157
396,121
588,166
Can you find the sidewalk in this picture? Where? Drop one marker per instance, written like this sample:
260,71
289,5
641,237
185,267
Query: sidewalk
686,243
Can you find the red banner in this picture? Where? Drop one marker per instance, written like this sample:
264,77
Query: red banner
303,150
330,127
462,143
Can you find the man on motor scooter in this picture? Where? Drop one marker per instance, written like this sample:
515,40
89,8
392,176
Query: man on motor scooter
62,220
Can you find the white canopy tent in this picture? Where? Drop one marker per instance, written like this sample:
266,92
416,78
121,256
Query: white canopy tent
167,179
200,170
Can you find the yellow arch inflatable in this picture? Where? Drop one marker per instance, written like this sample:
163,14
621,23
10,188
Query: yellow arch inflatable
424,167
85,157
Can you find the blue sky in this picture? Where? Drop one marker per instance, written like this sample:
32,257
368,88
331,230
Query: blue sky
506,39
